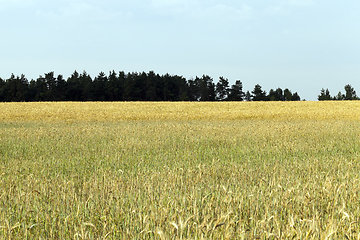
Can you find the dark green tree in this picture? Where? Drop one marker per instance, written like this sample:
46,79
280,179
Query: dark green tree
134,86
280,94
10,89
276,95
236,92
60,88
99,87
15,89
176,87
167,88
258,94
194,89
129,86
207,88
32,91
222,89
140,86
324,95
41,89
153,91
2,89
181,88
288,95
339,96
296,97
350,93
114,87
86,85
74,88
121,85
248,96
50,82
272,95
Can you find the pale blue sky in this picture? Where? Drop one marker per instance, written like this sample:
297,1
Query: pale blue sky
303,45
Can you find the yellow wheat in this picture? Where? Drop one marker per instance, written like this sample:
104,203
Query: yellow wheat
119,111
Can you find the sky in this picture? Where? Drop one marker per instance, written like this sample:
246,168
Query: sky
302,45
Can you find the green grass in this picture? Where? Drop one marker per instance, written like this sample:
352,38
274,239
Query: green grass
232,179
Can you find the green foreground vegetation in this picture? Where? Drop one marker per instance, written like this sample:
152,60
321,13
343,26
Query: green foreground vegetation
235,179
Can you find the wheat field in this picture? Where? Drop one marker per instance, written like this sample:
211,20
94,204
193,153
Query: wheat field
177,111
146,170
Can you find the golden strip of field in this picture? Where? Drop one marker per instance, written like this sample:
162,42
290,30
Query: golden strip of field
118,111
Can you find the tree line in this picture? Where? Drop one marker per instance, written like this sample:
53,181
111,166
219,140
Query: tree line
132,87
350,94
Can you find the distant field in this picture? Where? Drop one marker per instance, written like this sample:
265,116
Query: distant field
110,112
142,170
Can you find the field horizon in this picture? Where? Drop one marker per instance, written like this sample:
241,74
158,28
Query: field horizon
117,111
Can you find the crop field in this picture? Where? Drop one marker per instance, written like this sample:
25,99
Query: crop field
147,170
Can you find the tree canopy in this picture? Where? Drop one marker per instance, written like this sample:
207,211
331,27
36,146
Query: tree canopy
133,86
350,94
